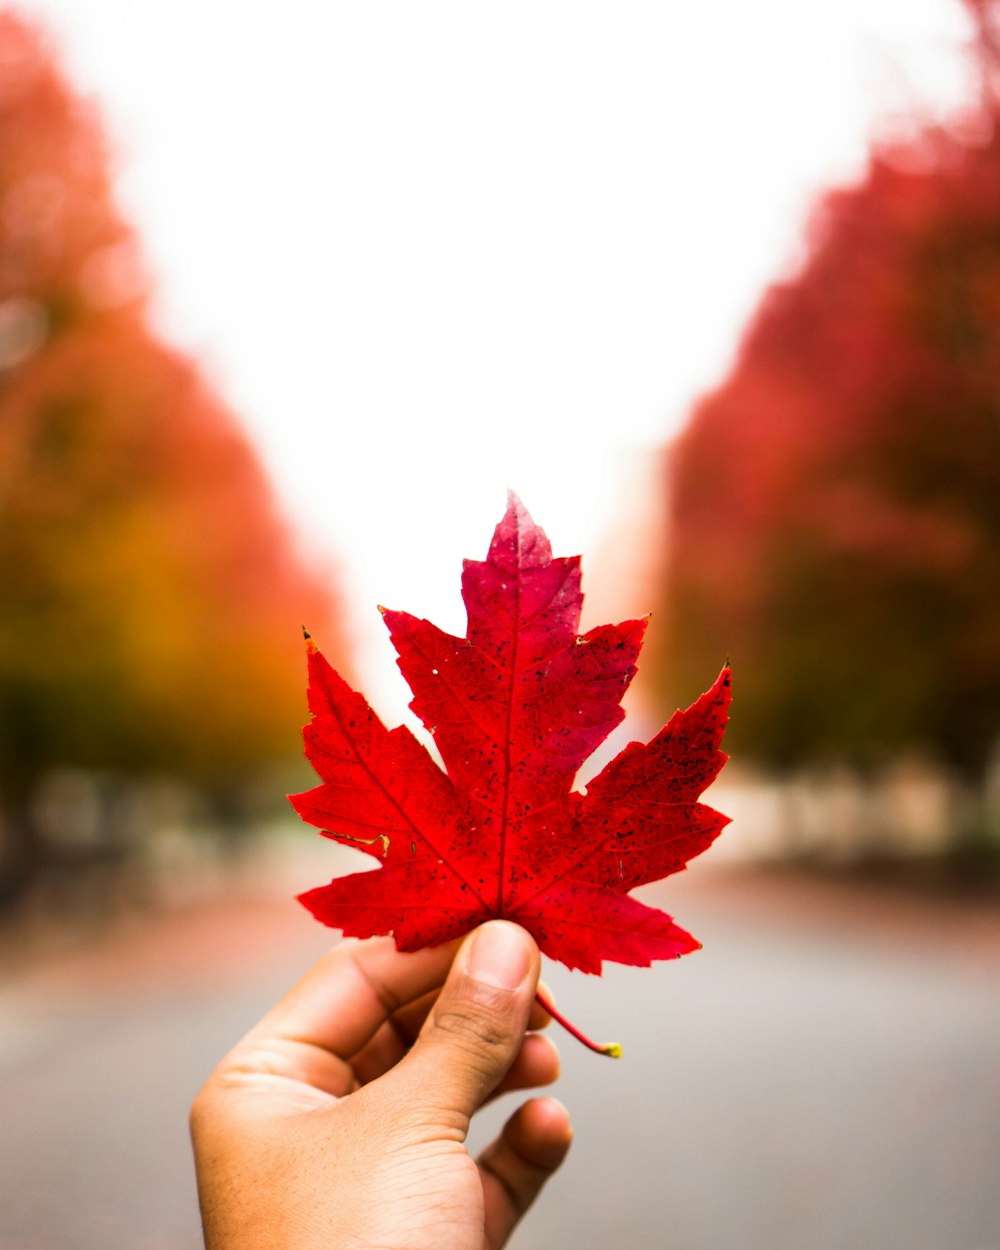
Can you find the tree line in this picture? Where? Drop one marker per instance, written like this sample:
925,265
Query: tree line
835,502
151,592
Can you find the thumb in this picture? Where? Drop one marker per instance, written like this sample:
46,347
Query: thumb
476,1028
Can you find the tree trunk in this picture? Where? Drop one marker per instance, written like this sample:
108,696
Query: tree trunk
20,842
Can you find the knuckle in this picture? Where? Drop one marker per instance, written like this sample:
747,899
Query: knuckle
475,1026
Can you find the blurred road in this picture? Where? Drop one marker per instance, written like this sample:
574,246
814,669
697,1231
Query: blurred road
824,1075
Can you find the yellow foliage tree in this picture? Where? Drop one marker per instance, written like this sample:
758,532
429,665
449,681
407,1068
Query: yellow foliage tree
150,591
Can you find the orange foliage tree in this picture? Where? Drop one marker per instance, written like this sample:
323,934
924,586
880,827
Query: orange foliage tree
836,502
150,592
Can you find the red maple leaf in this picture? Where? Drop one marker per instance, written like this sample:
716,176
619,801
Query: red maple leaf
515,708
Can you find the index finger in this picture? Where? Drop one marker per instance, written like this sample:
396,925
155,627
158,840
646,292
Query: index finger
351,992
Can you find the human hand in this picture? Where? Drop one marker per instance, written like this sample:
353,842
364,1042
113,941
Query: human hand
339,1122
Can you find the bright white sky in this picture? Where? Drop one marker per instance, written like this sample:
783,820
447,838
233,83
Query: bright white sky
429,250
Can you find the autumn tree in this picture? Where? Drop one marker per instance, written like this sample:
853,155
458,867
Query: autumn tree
836,501
150,591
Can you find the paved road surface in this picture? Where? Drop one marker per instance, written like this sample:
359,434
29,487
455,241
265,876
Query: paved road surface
824,1075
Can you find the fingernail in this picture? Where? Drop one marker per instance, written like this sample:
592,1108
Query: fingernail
500,955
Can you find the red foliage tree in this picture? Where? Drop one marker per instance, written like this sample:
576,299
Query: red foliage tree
151,592
836,502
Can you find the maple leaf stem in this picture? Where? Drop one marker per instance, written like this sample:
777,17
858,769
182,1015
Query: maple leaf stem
611,1049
